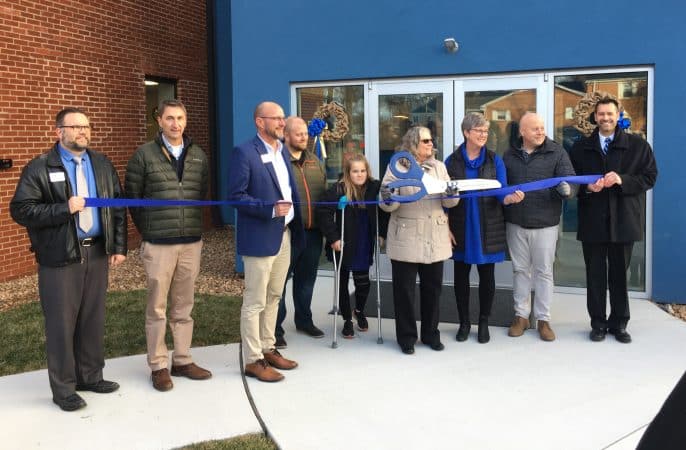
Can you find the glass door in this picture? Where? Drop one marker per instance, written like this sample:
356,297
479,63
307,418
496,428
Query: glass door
503,101
394,107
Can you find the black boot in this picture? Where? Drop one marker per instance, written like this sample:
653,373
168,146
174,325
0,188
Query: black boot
483,334
463,331
463,315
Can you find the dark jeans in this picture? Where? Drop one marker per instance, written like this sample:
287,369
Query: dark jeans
303,270
486,289
404,285
362,287
606,266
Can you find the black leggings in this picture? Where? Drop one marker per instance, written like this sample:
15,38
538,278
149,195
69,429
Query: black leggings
486,289
362,287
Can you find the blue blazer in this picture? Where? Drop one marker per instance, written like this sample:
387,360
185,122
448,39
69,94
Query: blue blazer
254,181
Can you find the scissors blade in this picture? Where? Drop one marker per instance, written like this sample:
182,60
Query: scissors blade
474,184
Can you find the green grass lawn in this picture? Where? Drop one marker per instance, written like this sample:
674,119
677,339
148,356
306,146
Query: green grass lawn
23,347
245,442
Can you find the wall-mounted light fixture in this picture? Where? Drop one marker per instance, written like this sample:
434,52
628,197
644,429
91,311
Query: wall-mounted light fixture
451,45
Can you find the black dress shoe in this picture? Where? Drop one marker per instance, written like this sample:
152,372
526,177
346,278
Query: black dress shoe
621,335
597,334
409,350
280,342
71,403
101,387
438,346
463,332
311,331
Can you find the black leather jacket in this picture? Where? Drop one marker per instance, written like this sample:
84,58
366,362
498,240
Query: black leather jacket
41,205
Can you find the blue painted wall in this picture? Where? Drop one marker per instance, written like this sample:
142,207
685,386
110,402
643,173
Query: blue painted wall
274,43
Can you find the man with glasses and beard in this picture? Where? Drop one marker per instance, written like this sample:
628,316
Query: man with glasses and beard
74,247
268,227
310,177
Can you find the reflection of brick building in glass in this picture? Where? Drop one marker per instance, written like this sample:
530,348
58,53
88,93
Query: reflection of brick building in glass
504,113
631,93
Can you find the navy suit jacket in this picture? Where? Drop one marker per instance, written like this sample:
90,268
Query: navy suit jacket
253,180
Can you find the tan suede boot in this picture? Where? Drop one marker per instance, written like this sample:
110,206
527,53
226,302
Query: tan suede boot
518,327
545,331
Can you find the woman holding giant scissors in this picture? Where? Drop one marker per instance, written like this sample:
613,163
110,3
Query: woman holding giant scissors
418,242
477,225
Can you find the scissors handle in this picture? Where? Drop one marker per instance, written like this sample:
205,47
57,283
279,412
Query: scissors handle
413,171
407,198
412,177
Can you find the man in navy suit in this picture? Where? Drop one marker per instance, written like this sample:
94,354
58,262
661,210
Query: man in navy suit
268,225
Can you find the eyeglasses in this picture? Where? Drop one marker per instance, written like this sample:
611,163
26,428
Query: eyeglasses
481,132
277,118
426,141
76,127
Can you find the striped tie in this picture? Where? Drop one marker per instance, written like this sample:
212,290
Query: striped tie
85,216
606,144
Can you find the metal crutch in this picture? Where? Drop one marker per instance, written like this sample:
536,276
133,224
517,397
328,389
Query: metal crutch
379,339
337,270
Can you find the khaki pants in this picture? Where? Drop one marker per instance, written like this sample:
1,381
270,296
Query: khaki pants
265,277
171,272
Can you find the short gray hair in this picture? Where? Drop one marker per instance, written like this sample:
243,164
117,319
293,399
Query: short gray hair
473,120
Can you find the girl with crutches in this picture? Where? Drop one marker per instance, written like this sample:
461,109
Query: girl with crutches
359,231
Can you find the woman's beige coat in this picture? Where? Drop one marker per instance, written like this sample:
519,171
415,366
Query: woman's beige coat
418,231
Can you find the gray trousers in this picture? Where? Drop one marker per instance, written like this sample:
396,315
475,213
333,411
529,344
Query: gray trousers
73,302
533,254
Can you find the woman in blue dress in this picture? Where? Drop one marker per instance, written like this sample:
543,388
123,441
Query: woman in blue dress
477,225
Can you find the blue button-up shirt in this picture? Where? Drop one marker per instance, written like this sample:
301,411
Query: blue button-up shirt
69,164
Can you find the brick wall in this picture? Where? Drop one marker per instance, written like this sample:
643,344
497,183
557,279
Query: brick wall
95,55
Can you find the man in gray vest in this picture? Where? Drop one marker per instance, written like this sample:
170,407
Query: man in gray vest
74,247
171,167
532,224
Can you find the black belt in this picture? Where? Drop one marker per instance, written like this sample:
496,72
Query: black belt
89,241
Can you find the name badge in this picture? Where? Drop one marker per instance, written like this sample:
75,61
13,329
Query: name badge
267,158
56,177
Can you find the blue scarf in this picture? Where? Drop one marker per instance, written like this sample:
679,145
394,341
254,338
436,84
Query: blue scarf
474,163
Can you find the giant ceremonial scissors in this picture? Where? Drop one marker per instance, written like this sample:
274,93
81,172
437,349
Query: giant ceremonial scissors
414,176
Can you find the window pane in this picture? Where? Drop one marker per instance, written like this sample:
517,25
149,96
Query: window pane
346,101
503,109
399,112
631,89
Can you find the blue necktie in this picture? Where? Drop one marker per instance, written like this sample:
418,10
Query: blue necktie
606,144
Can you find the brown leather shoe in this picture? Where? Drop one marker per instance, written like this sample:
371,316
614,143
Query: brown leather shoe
275,359
161,380
545,331
191,371
261,370
518,327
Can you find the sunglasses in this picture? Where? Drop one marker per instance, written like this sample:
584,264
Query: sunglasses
425,141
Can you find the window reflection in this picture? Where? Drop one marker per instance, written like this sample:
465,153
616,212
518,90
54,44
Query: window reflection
503,109
351,99
399,112
631,89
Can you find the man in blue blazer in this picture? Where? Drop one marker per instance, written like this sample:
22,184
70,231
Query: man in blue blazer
260,176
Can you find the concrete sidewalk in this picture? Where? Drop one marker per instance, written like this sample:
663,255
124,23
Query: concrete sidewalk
513,393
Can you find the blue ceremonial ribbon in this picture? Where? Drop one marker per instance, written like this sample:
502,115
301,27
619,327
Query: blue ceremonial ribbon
147,203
